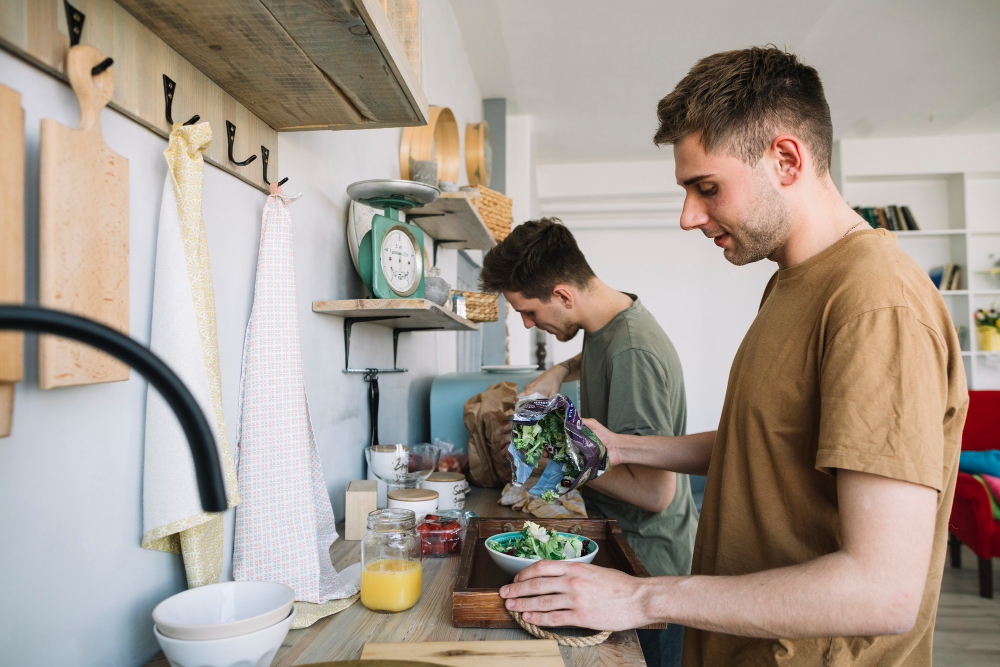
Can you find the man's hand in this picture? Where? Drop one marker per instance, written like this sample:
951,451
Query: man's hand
609,439
554,593
546,384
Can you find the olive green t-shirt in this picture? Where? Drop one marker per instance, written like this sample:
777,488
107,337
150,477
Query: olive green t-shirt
631,381
851,363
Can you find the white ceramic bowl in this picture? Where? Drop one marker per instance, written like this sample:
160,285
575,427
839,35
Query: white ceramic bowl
256,649
218,611
514,564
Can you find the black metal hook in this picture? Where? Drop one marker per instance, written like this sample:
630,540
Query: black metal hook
74,22
231,136
168,100
100,67
264,155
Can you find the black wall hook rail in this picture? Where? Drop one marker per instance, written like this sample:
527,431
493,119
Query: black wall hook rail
208,470
231,137
264,155
74,22
169,87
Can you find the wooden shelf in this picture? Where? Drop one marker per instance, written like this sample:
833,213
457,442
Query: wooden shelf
461,220
296,64
930,232
410,313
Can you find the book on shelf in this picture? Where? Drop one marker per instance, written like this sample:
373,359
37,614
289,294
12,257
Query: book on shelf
947,277
894,218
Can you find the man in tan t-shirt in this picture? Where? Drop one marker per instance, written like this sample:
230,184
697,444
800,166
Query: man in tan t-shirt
830,479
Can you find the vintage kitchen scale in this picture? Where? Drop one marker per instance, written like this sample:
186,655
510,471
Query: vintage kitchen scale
391,255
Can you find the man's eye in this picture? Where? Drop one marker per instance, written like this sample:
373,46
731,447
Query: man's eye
708,191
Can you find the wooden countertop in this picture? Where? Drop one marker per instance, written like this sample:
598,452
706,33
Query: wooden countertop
343,635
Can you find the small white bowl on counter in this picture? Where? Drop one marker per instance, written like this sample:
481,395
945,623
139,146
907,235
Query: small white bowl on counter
219,611
514,564
256,649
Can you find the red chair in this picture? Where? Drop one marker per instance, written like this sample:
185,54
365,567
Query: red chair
971,519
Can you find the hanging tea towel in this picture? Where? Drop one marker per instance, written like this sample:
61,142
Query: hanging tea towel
184,336
285,525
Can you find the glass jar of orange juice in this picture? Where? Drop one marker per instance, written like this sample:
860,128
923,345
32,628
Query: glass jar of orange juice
391,572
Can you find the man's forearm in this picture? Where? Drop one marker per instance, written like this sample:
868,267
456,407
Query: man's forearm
680,453
572,366
648,488
829,596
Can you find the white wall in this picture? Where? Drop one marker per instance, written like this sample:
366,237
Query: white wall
522,188
76,587
625,217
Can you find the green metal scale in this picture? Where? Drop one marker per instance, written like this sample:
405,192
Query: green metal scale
391,255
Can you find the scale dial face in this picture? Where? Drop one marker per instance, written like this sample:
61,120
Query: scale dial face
401,260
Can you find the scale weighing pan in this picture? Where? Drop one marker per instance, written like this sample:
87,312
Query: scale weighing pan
401,195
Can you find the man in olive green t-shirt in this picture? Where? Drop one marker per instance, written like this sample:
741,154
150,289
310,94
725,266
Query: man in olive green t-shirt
630,377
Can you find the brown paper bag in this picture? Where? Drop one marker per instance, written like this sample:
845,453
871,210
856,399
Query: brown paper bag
485,415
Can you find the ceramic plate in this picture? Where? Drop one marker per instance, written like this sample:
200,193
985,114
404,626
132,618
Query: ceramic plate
509,369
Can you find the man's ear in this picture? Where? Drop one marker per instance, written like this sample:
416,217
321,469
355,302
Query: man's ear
790,158
565,294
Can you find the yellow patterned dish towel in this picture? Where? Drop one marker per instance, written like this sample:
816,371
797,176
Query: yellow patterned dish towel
184,335
569,506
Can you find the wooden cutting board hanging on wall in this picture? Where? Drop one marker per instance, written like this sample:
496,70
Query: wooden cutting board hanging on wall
83,229
11,246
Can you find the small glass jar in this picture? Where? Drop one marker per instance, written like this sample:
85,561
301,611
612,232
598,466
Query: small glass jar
391,571
458,303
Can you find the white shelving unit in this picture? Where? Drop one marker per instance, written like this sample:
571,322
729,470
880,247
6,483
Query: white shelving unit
952,186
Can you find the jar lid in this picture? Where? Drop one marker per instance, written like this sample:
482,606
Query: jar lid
445,477
393,519
389,448
412,495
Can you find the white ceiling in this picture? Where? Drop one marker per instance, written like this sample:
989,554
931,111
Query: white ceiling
590,72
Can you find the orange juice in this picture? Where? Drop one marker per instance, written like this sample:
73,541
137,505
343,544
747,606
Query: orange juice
391,584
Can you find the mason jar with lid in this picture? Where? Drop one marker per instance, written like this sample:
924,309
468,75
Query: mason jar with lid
391,571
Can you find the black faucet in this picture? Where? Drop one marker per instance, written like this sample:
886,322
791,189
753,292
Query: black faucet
211,488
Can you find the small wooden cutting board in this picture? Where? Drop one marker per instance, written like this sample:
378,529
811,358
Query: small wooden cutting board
11,246
520,652
83,229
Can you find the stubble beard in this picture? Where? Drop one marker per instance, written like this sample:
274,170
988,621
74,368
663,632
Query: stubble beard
764,229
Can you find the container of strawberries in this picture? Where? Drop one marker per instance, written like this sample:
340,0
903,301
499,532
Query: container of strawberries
442,533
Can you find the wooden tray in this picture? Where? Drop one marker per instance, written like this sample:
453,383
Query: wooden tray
476,601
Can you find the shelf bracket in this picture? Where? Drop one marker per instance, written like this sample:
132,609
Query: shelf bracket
349,323
438,242
395,339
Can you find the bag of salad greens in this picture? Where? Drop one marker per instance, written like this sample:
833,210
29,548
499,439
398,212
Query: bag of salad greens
551,452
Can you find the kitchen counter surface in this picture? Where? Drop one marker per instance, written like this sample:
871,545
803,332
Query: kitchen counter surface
343,635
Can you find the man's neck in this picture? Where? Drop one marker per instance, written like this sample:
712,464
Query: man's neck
821,219
599,305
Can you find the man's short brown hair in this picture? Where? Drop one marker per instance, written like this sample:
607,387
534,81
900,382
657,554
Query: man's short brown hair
534,258
741,100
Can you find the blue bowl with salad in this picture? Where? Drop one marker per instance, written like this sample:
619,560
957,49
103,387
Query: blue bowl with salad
512,552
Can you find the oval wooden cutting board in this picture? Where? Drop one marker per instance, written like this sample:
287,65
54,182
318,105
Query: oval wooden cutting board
83,230
11,246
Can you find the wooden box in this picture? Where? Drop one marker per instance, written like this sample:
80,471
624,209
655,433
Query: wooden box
476,601
362,498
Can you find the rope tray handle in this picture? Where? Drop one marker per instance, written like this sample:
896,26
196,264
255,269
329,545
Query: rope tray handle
562,640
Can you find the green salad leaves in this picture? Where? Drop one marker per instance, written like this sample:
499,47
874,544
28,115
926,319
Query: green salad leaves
547,436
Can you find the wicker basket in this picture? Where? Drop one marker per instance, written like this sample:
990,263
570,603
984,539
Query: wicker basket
495,210
480,306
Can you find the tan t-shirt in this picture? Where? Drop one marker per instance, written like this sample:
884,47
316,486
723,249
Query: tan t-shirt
852,362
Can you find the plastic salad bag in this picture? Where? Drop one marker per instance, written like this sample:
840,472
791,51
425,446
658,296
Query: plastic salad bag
550,431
